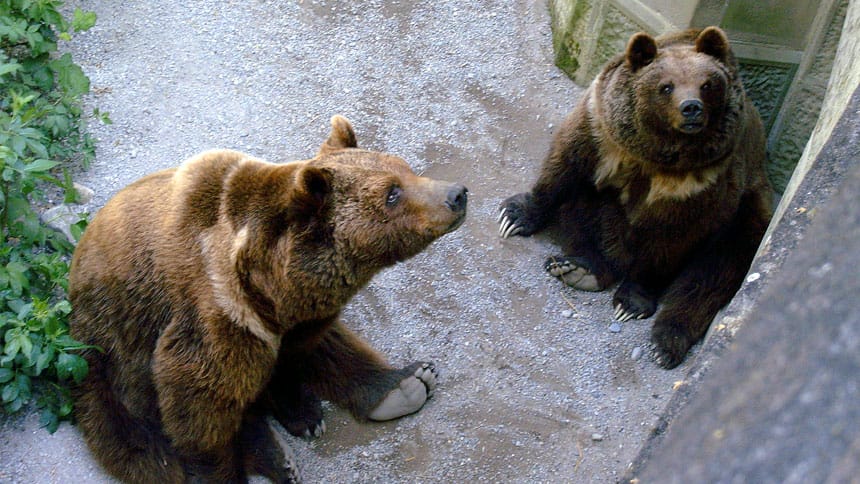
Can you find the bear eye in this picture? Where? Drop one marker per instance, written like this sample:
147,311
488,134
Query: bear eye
707,86
667,89
393,196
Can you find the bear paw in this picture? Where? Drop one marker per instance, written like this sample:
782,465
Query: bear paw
303,418
409,396
573,272
669,345
513,217
633,301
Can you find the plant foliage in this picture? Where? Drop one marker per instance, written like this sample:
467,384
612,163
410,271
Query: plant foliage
42,135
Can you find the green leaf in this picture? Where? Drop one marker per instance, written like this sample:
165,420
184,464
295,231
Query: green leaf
45,358
18,340
71,365
70,76
6,374
82,21
49,420
77,229
16,404
18,144
18,279
9,68
65,408
41,165
63,307
10,392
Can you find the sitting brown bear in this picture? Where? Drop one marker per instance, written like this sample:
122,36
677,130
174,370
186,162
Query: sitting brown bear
657,179
214,290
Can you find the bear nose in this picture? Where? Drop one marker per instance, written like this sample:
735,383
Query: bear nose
458,195
691,108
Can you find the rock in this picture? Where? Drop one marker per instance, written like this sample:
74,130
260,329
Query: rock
615,327
636,353
60,218
597,437
84,194
567,313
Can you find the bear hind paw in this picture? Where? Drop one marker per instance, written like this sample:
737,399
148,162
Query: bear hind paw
409,396
573,272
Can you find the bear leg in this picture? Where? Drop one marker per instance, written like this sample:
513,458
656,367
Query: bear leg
581,225
708,282
265,453
128,448
346,371
565,173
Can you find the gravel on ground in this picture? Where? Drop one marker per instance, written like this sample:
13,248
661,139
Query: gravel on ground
537,383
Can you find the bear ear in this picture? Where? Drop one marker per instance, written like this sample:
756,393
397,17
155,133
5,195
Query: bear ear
713,42
313,184
342,135
641,50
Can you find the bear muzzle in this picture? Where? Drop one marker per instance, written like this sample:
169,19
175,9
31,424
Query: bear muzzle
692,116
456,201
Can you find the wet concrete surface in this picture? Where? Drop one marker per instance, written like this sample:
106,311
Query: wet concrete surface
533,386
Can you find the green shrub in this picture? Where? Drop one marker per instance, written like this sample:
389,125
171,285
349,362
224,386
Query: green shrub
42,135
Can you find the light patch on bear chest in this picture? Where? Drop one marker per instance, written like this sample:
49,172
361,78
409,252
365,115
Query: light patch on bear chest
615,168
672,187
228,292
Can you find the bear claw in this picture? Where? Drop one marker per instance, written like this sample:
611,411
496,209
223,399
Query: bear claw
410,395
508,227
318,430
624,315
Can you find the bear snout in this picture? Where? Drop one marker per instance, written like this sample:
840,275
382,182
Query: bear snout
693,114
458,196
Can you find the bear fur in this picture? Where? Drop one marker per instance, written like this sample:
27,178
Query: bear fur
214,291
657,180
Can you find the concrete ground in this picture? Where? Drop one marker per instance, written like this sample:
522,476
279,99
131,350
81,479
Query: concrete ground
534,387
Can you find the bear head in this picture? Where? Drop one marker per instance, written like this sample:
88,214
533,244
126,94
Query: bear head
685,87
323,227
678,93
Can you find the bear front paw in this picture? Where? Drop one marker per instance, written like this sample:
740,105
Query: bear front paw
409,396
513,218
633,301
669,344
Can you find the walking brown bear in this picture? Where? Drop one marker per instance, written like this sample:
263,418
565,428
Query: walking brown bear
657,179
214,290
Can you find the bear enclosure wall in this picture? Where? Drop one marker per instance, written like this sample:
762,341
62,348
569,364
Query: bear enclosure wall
785,48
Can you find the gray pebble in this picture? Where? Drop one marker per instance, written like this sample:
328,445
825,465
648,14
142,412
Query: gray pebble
637,352
597,437
567,313
615,327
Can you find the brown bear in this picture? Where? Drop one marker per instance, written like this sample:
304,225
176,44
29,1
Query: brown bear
656,179
214,289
